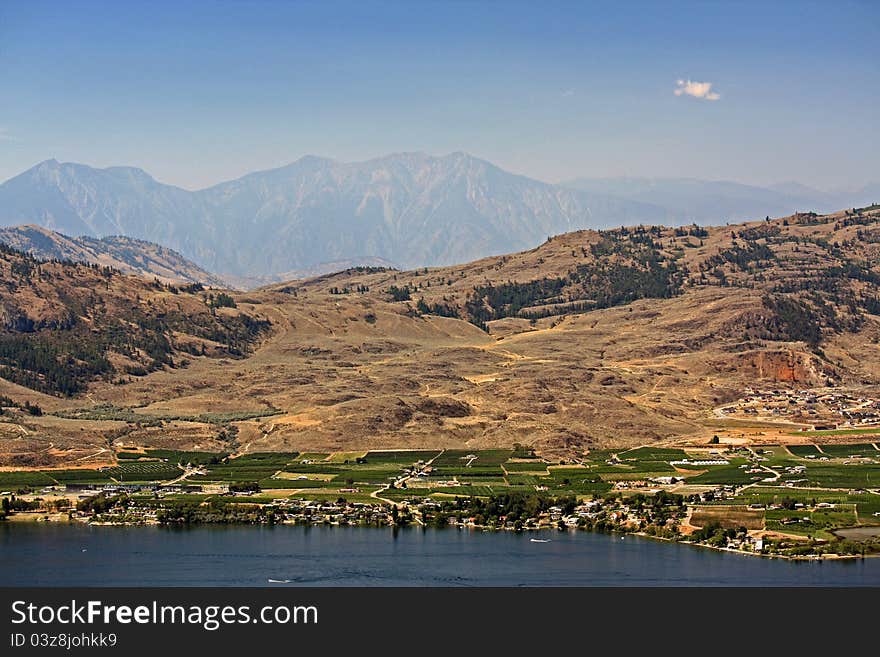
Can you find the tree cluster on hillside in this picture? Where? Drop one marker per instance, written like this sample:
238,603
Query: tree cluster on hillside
400,293
221,300
627,265
61,351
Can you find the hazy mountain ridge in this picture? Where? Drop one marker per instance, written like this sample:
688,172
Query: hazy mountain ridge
715,201
127,254
409,209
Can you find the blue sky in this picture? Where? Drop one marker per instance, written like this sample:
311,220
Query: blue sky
200,92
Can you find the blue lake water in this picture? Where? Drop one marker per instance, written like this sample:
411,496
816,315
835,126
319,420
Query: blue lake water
47,554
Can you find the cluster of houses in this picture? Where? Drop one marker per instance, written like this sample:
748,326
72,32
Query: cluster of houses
725,492
334,513
87,490
286,511
819,410
745,541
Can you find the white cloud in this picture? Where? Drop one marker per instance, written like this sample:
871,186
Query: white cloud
568,93
696,89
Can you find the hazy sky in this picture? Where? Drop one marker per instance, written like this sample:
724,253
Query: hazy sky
196,93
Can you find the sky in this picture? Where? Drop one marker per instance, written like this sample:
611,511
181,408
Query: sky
197,93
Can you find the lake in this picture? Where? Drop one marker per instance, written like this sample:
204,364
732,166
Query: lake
56,554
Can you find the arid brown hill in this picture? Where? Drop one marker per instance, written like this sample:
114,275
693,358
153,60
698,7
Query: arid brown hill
128,255
617,337
816,276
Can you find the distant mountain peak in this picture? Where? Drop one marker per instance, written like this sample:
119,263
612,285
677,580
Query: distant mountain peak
313,160
53,165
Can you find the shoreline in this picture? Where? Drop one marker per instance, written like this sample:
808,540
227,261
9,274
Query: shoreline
41,518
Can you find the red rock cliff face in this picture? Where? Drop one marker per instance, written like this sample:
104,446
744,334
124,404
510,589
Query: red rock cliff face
787,366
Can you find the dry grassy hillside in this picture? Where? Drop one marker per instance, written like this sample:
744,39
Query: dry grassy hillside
126,254
614,338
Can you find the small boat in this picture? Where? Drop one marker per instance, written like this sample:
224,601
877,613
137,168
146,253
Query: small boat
279,581
539,540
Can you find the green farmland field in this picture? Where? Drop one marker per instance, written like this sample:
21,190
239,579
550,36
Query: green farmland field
144,471
652,454
860,450
804,450
487,472
406,457
15,480
532,466
843,476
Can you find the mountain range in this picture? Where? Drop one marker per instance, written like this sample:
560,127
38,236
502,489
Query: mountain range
408,209
404,210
